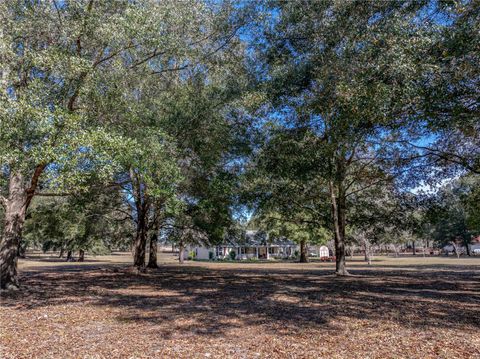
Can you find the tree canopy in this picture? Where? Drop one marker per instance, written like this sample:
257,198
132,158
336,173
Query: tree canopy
317,120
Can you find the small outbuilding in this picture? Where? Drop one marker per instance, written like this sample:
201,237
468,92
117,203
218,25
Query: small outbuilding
323,252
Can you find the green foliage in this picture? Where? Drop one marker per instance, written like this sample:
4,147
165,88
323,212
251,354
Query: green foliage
450,93
145,109
232,255
452,212
89,222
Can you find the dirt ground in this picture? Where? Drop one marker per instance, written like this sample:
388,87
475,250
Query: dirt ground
396,308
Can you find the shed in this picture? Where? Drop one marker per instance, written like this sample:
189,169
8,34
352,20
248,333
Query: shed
323,252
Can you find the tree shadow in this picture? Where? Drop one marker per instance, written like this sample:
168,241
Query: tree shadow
195,300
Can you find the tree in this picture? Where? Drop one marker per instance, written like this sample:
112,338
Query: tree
61,86
203,113
345,72
450,90
51,56
181,123
450,214
287,198
88,222
382,215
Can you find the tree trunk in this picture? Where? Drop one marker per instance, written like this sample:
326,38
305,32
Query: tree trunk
466,242
395,248
81,255
22,249
140,244
142,206
414,249
15,210
339,221
62,250
368,257
303,252
181,250
152,258
19,198
69,256
455,249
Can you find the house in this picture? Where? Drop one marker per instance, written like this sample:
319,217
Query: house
251,245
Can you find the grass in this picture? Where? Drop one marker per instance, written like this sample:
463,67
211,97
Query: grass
396,308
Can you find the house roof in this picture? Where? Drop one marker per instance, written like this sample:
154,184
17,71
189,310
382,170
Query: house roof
252,238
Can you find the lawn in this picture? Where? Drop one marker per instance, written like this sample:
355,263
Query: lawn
396,308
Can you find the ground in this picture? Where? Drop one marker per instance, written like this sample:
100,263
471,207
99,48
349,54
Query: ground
395,308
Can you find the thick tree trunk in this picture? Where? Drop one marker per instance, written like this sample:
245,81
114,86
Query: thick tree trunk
142,206
152,257
339,222
69,256
62,251
15,210
81,255
181,252
303,252
19,197
140,244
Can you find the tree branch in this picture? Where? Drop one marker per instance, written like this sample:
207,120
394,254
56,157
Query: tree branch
34,183
445,155
53,194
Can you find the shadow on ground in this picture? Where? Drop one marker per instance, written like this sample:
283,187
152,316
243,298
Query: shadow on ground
208,301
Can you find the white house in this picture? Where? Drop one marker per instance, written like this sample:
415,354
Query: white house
254,244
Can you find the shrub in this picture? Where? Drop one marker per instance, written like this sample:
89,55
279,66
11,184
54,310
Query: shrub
233,255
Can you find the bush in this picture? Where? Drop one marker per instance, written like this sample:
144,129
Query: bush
233,255
210,255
